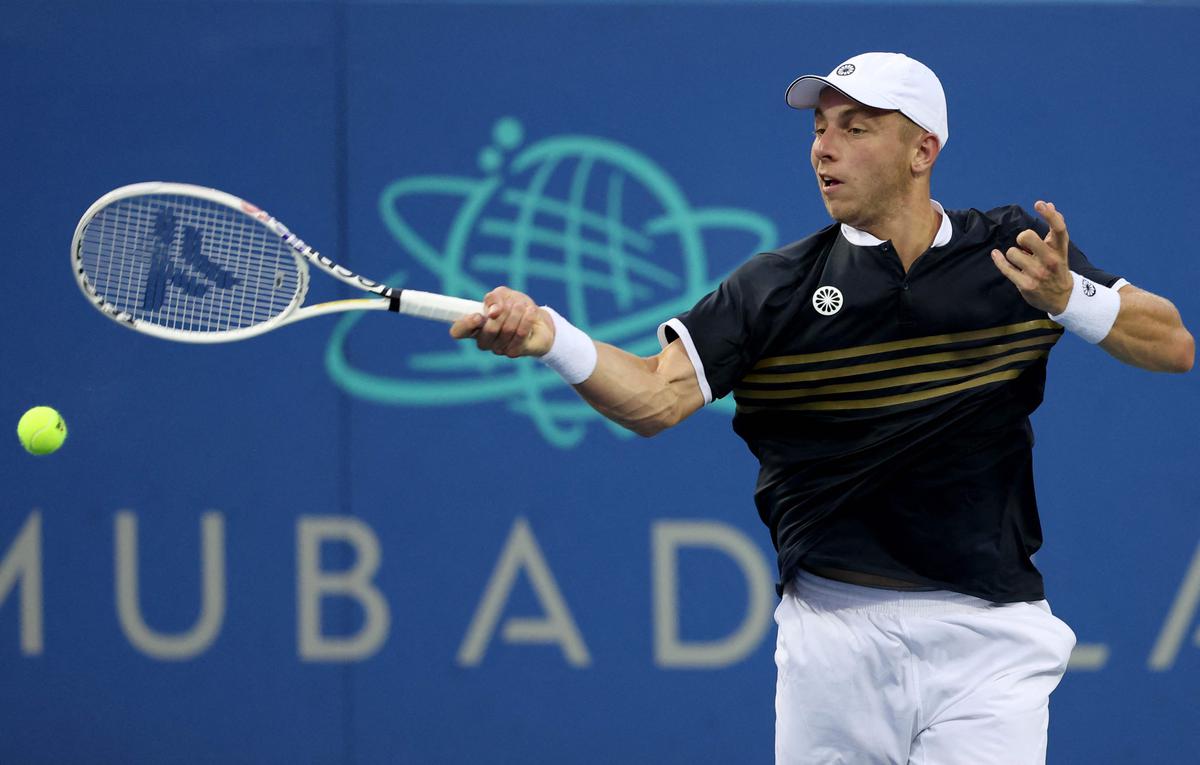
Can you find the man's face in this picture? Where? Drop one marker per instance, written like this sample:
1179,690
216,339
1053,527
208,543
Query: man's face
862,158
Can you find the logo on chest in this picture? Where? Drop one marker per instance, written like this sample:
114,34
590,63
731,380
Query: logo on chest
827,300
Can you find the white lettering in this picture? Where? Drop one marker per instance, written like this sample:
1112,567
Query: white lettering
1182,613
1088,657
669,650
195,641
521,551
24,561
313,584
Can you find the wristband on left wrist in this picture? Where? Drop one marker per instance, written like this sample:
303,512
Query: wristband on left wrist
1091,309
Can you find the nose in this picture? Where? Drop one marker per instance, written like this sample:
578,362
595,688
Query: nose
822,147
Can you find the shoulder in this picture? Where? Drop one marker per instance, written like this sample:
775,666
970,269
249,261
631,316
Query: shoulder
774,276
1005,222
794,258
1004,217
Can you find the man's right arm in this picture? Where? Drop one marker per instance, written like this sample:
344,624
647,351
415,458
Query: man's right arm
645,395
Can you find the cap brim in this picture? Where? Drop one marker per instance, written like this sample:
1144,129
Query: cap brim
805,92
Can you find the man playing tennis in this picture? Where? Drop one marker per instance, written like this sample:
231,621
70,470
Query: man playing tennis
884,371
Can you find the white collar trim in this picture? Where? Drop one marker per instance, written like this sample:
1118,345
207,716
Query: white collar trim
941,239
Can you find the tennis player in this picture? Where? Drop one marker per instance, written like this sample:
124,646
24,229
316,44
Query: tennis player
884,371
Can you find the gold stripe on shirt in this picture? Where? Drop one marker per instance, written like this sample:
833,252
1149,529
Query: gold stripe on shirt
891,382
900,363
909,344
903,398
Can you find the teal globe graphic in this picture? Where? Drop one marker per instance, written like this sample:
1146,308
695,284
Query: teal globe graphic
585,224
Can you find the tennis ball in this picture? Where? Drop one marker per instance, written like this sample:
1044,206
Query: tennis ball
41,430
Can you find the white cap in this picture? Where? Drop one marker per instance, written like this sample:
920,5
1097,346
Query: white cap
883,80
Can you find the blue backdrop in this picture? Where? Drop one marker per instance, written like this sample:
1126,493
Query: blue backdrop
352,541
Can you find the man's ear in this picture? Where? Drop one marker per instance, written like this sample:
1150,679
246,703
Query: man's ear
925,153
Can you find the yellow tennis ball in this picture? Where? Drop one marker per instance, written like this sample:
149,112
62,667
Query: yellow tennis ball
42,430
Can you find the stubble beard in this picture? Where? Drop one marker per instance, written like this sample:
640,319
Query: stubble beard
881,196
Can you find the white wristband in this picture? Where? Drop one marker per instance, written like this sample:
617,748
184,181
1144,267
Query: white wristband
573,354
1091,310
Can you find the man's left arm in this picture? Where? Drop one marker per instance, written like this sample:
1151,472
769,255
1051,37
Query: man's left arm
1149,333
1132,325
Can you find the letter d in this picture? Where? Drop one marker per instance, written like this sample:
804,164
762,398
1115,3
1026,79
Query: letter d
669,649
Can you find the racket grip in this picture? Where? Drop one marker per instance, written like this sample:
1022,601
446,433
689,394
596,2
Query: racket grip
428,305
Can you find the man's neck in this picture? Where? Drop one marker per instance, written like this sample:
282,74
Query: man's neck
911,228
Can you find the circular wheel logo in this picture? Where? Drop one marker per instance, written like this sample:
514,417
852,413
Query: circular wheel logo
827,300
845,69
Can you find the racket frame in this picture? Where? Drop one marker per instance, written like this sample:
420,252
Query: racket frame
412,302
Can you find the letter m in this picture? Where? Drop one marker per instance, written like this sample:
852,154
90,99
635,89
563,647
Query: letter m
23,561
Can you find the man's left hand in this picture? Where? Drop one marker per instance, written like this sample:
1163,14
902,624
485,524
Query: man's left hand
1038,267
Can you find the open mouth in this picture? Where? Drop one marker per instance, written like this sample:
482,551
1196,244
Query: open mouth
829,182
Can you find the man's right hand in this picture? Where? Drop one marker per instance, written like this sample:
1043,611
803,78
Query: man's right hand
645,395
511,325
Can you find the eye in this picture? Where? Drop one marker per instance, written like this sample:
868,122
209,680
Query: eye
857,131
818,131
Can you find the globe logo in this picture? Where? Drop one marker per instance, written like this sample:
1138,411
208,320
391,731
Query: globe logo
585,224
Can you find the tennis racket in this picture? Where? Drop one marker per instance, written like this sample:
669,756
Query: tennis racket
197,265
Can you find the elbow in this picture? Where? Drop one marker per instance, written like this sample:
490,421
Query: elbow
1174,355
1185,353
1183,347
647,430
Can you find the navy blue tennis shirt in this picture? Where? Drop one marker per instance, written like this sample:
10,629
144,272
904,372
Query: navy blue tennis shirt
889,410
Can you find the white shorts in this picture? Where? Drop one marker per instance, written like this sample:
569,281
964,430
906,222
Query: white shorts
867,675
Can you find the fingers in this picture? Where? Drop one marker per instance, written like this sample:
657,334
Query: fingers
509,337
1058,224
503,327
1029,241
1029,263
1039,267
1037,257
520,332
467,326
1023,268
1051,251
1021,258
1015,275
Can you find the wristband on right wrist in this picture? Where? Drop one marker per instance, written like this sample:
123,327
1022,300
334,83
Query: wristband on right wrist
573,354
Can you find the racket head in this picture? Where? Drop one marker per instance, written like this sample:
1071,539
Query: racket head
187,263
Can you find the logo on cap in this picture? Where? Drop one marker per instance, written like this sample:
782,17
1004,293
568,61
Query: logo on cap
844,70
827,300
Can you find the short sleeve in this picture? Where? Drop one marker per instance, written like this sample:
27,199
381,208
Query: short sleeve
722,331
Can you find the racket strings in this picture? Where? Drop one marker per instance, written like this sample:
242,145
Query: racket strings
188,264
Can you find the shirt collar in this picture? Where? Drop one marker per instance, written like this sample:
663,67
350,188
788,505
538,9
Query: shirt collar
863,239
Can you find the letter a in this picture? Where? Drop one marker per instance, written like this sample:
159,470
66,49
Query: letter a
1183,611
521,551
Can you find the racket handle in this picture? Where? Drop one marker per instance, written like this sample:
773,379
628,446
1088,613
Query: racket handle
428,305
